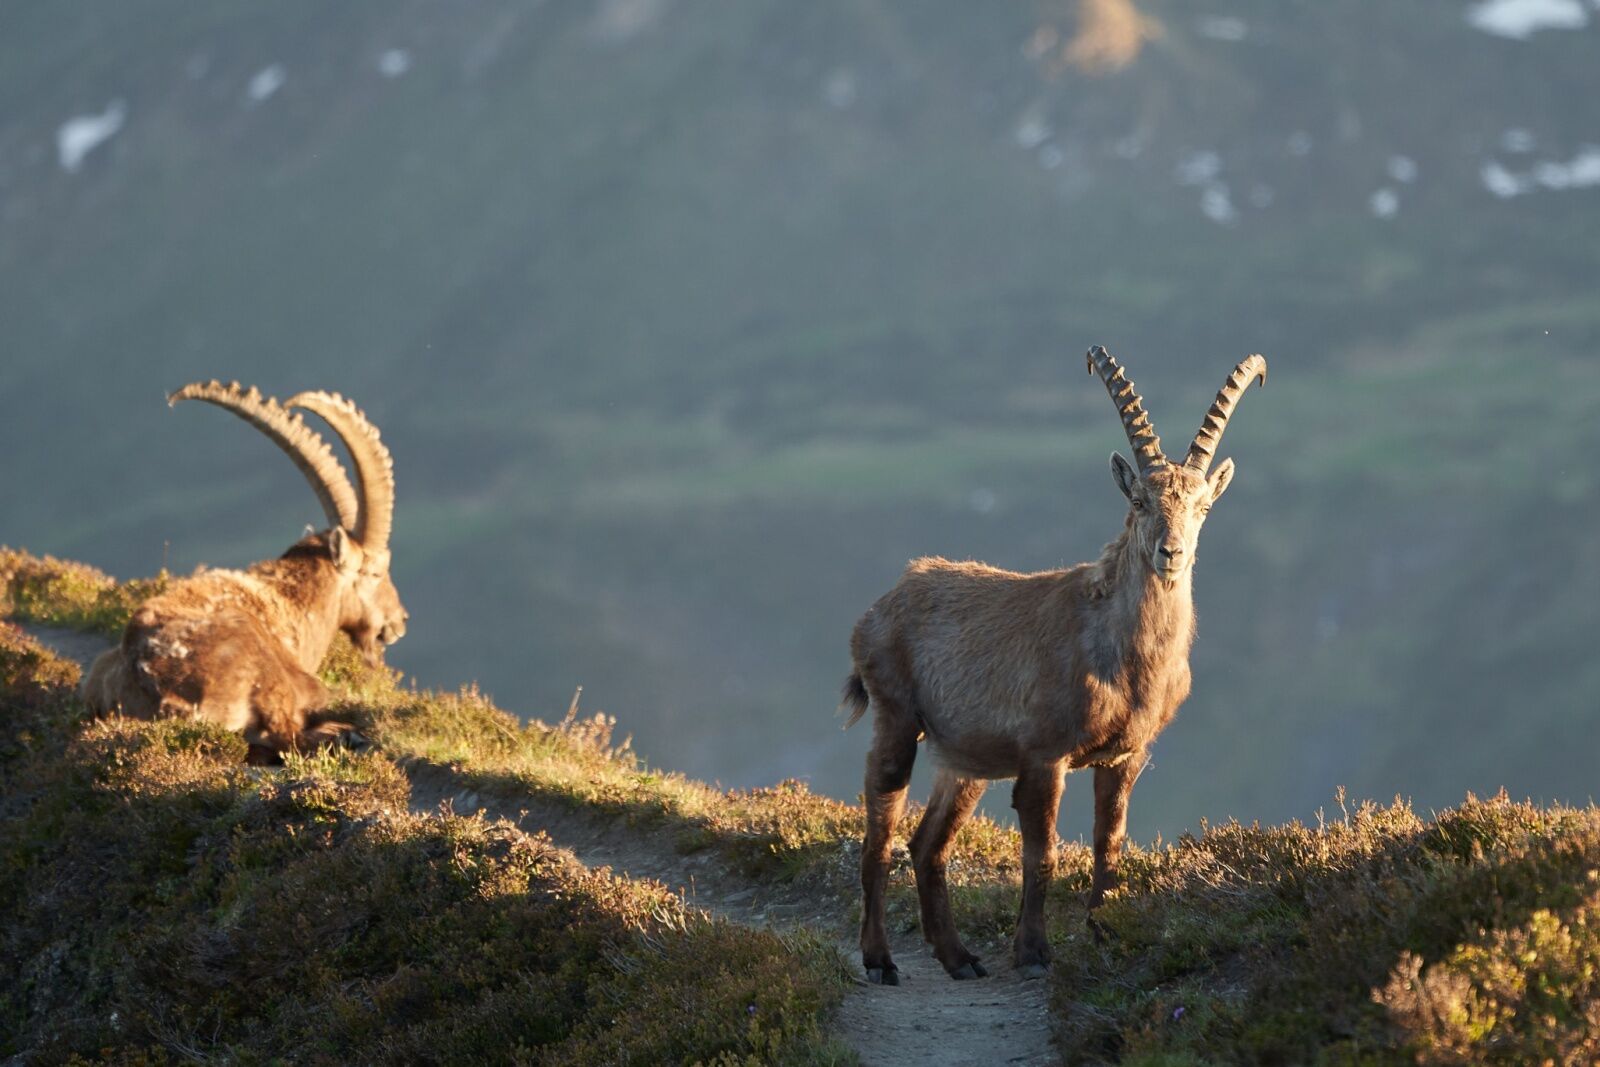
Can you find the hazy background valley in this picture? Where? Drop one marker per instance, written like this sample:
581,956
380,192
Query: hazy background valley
689,323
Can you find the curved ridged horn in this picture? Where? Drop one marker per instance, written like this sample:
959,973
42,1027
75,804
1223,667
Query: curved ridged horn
1205,441
374,465
289,432
1130,405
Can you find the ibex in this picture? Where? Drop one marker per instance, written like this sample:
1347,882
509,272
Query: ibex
1027,676
241,648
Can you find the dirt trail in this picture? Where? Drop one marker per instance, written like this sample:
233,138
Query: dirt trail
927,1019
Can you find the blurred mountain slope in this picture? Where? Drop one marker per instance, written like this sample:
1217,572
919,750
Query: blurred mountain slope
689,324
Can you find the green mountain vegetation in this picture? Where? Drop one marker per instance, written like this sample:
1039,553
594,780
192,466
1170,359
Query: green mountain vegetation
689,324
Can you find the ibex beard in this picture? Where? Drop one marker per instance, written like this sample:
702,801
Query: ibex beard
241,648
1028,676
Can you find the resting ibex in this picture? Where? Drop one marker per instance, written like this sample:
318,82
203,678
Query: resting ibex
241,648
1031,675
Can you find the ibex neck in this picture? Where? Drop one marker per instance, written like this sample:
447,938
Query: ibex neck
1154,616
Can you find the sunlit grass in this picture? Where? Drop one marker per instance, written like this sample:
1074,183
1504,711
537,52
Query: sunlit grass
54,592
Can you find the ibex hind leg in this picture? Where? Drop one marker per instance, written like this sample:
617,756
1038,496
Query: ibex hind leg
286,712
321,731
951,803
894,750
268,749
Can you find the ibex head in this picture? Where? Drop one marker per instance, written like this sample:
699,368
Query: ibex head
1168,502
359,517
370,611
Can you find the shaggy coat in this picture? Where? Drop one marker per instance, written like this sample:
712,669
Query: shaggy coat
241,648
1027,676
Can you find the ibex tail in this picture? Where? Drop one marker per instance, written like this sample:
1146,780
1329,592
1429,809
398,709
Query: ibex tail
855,698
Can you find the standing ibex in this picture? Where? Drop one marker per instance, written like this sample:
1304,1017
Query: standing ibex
1031,675
241,648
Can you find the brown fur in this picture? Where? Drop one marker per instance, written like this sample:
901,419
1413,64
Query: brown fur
241,649
1025,676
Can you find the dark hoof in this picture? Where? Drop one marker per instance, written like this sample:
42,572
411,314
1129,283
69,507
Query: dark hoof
1031,971
883,975
262,756
974,969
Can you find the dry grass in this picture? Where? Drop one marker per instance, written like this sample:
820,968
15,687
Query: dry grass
56,592
1111,34
783,832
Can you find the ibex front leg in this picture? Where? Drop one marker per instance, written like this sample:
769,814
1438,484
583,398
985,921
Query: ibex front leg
1037,798
894,749
1111,788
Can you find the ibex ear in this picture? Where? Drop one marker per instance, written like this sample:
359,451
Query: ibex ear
1124,473
1219,478
339,548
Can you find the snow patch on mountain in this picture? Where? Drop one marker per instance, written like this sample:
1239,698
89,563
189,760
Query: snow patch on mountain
81,135
1521,19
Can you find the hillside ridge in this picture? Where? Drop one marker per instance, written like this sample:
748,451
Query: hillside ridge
931,1021
1376,936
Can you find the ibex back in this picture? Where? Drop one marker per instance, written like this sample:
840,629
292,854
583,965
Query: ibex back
1027,676
241,648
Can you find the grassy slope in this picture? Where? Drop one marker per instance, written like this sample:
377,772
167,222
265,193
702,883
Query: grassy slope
164,902
1376,937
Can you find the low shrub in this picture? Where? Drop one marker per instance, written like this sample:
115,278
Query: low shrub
1376,938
